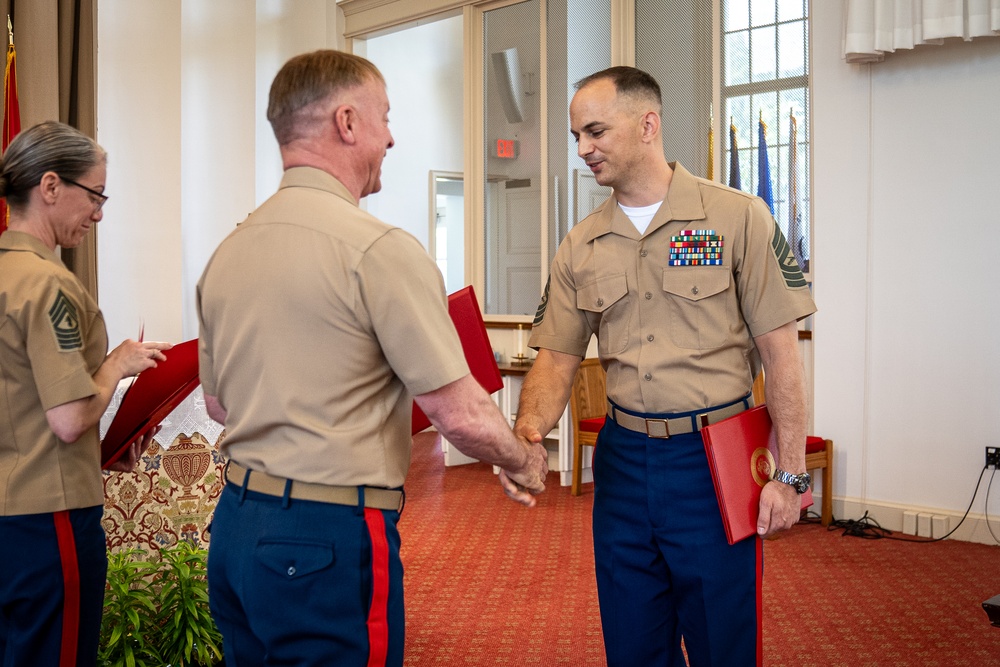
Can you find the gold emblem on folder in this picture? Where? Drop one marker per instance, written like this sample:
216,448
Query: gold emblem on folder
761,465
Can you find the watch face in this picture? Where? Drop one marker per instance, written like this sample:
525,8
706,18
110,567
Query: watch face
802,483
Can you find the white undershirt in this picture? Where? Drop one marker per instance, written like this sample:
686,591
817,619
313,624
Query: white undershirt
641,216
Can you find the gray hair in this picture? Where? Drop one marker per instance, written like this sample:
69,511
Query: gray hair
308,79
48,146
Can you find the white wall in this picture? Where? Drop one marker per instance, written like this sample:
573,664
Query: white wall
422,67
182,97
907,366
139,247
218,112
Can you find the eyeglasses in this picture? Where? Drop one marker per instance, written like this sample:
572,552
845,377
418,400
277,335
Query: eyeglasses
99,198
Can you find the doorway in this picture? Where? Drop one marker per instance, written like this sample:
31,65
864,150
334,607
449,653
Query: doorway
447,227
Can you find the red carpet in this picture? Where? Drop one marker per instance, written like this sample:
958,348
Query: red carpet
878,602
491,583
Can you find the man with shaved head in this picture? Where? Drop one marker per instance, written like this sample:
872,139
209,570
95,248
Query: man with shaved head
687,285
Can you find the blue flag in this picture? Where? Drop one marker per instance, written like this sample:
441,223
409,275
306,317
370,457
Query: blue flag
734,158
763,167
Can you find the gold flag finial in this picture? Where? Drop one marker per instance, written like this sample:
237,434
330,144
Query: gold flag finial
10,30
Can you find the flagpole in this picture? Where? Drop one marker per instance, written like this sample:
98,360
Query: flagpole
711,143
11,111
795,237
734,158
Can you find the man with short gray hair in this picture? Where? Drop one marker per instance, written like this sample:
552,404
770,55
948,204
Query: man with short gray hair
320,325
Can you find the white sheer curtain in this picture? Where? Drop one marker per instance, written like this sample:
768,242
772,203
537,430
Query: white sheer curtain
874,27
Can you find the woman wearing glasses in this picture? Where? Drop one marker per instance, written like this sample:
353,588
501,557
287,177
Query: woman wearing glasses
56,380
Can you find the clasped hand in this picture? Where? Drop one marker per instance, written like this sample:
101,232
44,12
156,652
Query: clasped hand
522,485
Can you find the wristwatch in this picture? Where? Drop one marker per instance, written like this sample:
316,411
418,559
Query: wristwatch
798,482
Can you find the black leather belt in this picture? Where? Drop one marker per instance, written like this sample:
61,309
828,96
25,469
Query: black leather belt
664,428
261,482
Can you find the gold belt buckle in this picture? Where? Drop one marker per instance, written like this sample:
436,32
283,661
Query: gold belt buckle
666,429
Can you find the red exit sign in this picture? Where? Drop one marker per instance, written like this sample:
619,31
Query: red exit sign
507,148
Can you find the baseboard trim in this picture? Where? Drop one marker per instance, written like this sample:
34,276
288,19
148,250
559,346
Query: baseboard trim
893,517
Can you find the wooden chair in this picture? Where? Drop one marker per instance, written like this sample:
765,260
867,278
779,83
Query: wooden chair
588,403
819,455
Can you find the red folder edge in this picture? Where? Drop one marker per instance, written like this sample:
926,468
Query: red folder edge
154,395
468,319
732,447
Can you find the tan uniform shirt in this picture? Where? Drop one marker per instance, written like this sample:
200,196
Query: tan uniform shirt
52,341
672,338
318,325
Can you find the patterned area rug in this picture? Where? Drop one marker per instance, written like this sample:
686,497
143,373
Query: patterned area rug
491,583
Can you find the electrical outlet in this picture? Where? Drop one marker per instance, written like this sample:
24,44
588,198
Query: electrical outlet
993,457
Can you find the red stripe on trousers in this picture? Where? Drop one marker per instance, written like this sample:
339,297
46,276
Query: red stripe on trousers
760,601
378,615
71,589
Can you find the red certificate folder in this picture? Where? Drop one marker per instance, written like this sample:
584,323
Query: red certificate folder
464,311
741,452
154,395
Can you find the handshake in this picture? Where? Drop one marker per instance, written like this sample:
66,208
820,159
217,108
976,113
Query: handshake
521,484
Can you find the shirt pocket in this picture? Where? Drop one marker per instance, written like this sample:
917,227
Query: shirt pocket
604,300
702,313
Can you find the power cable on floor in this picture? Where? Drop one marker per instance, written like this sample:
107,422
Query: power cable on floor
868,528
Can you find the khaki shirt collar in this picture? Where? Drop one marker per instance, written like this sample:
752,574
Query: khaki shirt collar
311,177
683,202
11,240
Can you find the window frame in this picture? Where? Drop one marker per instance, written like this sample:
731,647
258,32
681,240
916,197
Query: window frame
777,129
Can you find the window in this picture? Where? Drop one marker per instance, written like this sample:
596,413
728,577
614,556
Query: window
532,54
762,74
765,77
673,42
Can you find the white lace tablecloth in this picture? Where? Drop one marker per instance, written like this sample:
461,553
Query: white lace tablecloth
188,418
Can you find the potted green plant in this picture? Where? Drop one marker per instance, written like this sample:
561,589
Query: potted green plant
156,610
130,609
187,633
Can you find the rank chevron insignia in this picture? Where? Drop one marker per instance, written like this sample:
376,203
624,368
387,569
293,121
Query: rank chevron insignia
65,323
540,313
786,260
